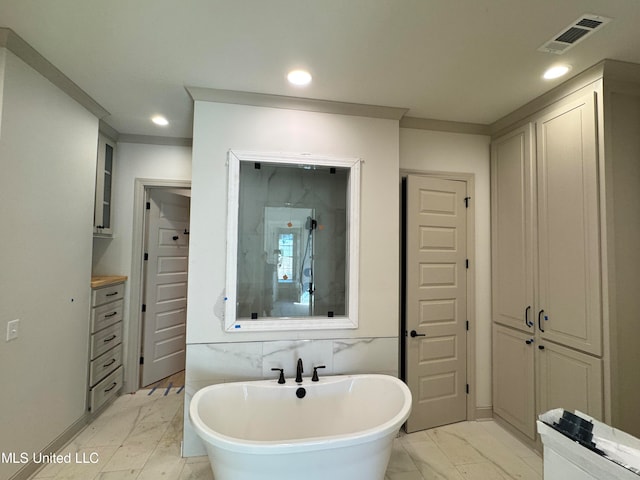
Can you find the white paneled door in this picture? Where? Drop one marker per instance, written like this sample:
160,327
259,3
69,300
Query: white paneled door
436,292
165,297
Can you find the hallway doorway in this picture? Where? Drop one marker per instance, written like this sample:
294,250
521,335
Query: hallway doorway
134,336
165,275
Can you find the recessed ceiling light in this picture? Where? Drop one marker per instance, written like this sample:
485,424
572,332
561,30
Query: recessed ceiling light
299,77
160,120
556,72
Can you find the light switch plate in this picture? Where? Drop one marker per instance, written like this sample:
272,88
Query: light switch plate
12,329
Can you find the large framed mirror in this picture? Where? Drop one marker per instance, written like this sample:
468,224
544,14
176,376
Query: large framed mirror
292,242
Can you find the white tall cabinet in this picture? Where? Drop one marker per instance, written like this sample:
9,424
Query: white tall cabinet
564,174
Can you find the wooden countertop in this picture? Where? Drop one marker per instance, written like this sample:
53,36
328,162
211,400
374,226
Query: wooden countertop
98,281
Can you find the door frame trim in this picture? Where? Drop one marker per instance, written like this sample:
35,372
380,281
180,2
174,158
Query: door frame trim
134,330
469,179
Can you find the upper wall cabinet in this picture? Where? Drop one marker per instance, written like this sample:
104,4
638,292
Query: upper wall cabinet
103,213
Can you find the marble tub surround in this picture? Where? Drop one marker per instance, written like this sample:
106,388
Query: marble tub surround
228,362
212,363
138,438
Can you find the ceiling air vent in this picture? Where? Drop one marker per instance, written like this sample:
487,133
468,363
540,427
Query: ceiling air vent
574,33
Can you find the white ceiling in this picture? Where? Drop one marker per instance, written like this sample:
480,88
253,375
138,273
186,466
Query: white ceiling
459,60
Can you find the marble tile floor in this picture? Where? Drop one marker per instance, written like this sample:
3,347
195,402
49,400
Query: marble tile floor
138,438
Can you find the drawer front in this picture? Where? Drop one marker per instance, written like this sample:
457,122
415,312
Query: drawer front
105,315
110,293
106,389
105,364
105,340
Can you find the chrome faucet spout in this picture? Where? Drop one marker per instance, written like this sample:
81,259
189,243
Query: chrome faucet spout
299,371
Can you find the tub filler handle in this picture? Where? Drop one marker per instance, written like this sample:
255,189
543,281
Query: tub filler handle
315,378
281,370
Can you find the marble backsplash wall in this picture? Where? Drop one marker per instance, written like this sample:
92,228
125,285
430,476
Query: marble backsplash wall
212,363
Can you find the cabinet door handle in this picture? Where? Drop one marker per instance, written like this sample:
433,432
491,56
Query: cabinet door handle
541,347
539,320
529,342
107,340
526,317
109,315
111,294
113,360
113,385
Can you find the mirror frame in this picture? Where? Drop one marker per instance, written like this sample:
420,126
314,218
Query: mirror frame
349,321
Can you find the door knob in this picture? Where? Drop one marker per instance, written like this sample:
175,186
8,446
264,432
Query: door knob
414,334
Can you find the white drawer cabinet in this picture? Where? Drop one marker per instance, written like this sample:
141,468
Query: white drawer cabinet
106,373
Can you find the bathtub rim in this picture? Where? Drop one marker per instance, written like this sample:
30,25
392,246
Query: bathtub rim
386,429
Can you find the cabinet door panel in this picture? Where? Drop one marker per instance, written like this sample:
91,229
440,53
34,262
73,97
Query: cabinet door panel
513,378
512,221
568,226
569,379
102,215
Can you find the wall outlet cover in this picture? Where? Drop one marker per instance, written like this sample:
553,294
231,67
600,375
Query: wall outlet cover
12,329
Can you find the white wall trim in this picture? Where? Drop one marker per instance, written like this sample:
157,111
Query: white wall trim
29,469
25,52
484,413
133,333
294,103
445,126
155,140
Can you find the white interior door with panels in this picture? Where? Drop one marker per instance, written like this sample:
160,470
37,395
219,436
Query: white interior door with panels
436,309
165,292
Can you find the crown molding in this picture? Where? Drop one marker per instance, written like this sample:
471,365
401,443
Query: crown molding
581,80
155,140
25,52
444,126
294,103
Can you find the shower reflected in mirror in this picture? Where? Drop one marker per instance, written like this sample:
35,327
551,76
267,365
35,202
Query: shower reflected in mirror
292,258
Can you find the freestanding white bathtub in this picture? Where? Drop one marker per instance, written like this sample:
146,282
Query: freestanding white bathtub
343,428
